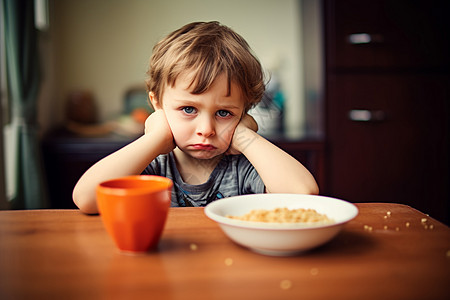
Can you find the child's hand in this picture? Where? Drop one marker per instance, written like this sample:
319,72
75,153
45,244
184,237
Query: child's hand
247,122
157,126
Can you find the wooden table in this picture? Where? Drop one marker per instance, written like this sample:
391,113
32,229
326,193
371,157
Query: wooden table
63,254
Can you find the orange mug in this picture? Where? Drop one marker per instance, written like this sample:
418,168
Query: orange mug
134,210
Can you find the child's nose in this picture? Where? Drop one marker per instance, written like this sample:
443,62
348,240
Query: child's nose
206,127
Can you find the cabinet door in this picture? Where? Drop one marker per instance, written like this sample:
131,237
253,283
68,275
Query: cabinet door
388,139
388,34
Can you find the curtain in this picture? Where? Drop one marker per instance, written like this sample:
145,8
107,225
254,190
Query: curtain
24,174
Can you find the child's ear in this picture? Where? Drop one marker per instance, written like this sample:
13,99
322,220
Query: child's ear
155,103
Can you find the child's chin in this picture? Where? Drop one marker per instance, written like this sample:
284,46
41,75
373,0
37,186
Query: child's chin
205,154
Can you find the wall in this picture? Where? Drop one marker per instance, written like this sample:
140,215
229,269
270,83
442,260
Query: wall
104,46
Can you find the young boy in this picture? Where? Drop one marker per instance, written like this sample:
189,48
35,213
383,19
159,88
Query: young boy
203,79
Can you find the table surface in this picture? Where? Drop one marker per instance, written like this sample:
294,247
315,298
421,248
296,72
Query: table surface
64,254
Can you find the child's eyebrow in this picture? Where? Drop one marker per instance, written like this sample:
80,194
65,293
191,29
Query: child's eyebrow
230,106
188,102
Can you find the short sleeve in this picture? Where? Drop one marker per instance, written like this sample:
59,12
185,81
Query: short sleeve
249,180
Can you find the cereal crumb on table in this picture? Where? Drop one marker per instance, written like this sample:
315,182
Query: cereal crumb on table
314,271
285,284
228,261
193,247
368,228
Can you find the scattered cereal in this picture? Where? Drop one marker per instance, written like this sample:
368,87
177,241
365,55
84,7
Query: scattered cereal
285,215
368,228
314,271
397,229
423,220
193,247
285,284
385,227
228,261
388,213
431,227
407,224
385,217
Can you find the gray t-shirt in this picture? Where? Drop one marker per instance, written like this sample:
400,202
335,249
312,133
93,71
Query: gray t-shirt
234,175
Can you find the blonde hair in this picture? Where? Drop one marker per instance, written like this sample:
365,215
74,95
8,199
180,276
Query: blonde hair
207,50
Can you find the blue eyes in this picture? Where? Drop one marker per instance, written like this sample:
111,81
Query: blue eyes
189,110
223,113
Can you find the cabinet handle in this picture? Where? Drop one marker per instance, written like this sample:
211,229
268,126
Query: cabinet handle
364,115
364,38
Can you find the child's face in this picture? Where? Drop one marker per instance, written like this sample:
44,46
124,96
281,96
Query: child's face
203,125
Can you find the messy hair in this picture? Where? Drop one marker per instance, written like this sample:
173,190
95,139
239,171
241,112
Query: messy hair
206,50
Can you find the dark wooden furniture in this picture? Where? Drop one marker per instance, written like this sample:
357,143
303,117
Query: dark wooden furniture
67,156
387,102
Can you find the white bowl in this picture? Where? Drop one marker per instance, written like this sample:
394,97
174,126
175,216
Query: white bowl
280,239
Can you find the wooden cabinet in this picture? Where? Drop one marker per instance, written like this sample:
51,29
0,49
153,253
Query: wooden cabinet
68,156
386,34
387,102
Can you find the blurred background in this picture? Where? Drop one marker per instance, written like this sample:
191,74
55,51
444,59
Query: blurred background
104,46
358,90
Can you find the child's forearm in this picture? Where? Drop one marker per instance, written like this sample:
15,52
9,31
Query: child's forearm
280,172
130,160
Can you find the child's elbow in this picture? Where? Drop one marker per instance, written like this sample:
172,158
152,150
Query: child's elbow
314,190
85,203
310,189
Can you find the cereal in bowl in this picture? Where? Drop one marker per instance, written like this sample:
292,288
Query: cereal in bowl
285,215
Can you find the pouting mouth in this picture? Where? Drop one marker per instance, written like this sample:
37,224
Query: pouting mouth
207,147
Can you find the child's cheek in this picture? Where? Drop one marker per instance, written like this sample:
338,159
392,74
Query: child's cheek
225,139
178,130
228,132
179,133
